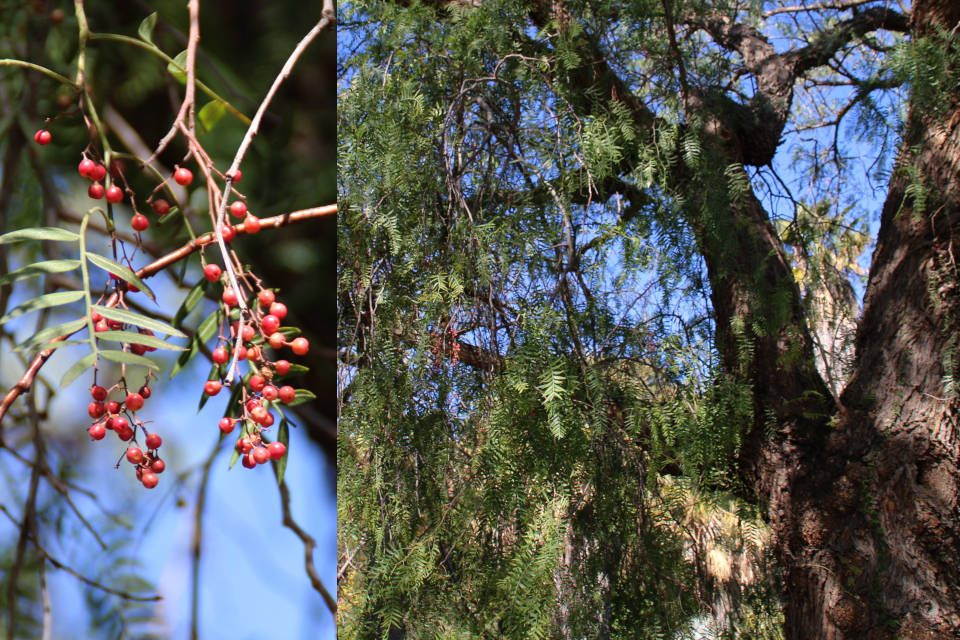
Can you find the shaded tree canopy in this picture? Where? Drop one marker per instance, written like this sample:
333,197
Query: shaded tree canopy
613,362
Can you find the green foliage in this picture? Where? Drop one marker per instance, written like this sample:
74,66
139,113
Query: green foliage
540,419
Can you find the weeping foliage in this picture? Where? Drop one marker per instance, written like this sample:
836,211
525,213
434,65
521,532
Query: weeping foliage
536,439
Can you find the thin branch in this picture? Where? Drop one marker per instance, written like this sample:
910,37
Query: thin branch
26,381
186,109
93,583
197,540
308,546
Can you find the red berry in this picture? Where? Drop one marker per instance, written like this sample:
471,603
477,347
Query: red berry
124,434
101,326
95,191
153,441
244,445
256,383
108,424
158,465
238,209
229,297
220,355
253,403
227,424
259,414
236,176
282,367
241,353
251,224
134,402
96,410
268,421
212,387
278,309
277,340
42,137
138,349
212,272
115,324
149,479
134,455
276,449
97,431
161,207
270,393
98,393
140,223
114,194
270,324
140,471
183,177
86,167
132,289
248,332
96,317
300,346
145,392
98,173
229,233
266,298
287,394
261,455
113,408
249,462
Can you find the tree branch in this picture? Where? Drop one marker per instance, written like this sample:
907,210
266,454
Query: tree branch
26,381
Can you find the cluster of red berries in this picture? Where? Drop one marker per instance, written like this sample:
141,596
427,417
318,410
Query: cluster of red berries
258,392
440,346
121,418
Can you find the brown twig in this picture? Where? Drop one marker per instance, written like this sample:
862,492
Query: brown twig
220,206
186,109
308,546
26,381
197,539
59,565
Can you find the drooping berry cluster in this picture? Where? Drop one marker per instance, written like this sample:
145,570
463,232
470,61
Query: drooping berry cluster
258,326
121,418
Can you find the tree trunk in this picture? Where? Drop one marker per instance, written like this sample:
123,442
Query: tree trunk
866,518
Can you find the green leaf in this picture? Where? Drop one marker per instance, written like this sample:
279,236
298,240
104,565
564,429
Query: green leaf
77,368
169,214
236,452
42,302
190,303
178,68
205,331
146,28
295,370
283,435
125,274
137,338
128,317
302,395
50,333
213,375
41,233
123,357
233,405
38,269
210,115
289,332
